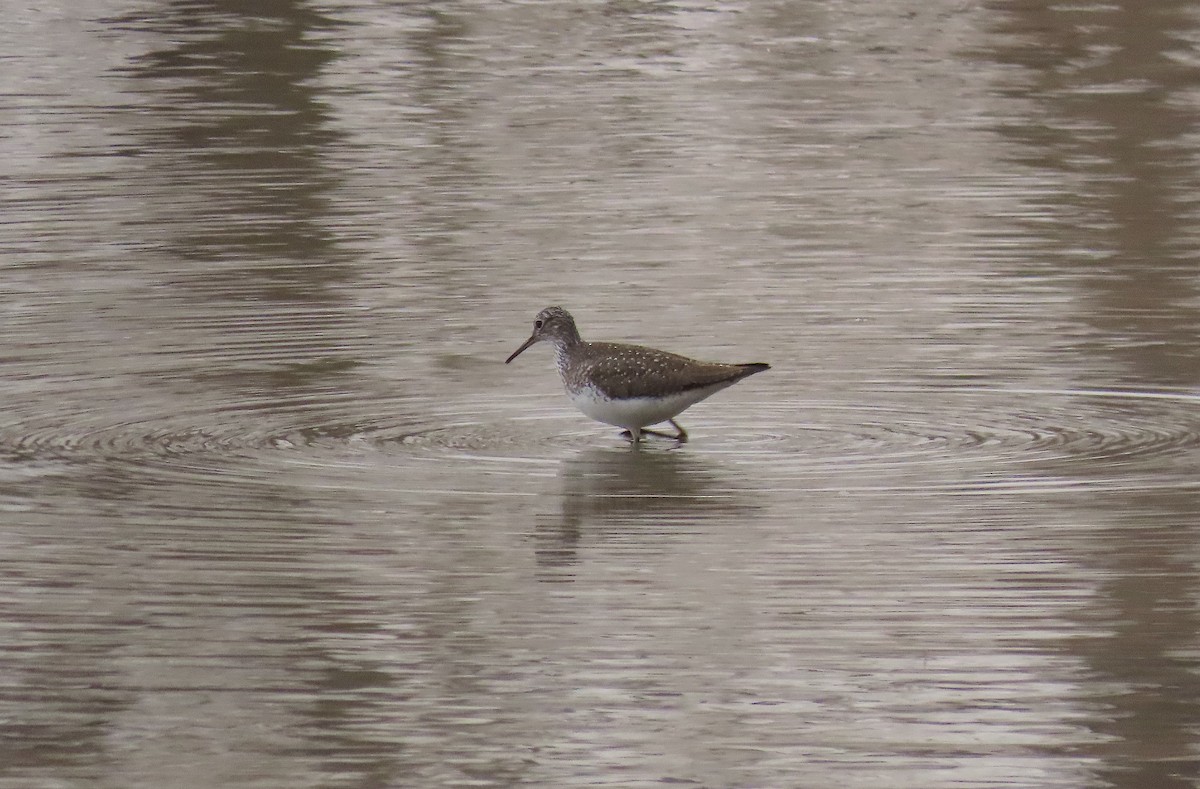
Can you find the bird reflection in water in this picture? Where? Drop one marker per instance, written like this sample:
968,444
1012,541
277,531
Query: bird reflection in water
620,499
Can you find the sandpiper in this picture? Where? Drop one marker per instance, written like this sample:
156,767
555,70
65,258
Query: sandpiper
629,386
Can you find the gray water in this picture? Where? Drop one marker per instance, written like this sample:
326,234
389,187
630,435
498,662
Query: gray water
274,513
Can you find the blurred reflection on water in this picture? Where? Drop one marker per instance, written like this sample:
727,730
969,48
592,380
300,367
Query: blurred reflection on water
275,512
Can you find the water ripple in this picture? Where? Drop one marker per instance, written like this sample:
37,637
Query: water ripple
969,438
976,439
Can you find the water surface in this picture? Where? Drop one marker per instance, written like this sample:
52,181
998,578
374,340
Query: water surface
273,511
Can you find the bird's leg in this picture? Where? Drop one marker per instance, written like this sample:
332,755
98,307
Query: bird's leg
680,436
634,435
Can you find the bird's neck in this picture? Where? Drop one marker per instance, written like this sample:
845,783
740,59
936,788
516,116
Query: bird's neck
565,349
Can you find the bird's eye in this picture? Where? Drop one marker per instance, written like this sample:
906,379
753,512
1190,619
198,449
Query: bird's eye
537,324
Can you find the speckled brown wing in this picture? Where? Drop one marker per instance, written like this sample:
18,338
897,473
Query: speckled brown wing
621,371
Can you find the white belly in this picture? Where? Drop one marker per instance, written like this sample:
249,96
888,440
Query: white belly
637,412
